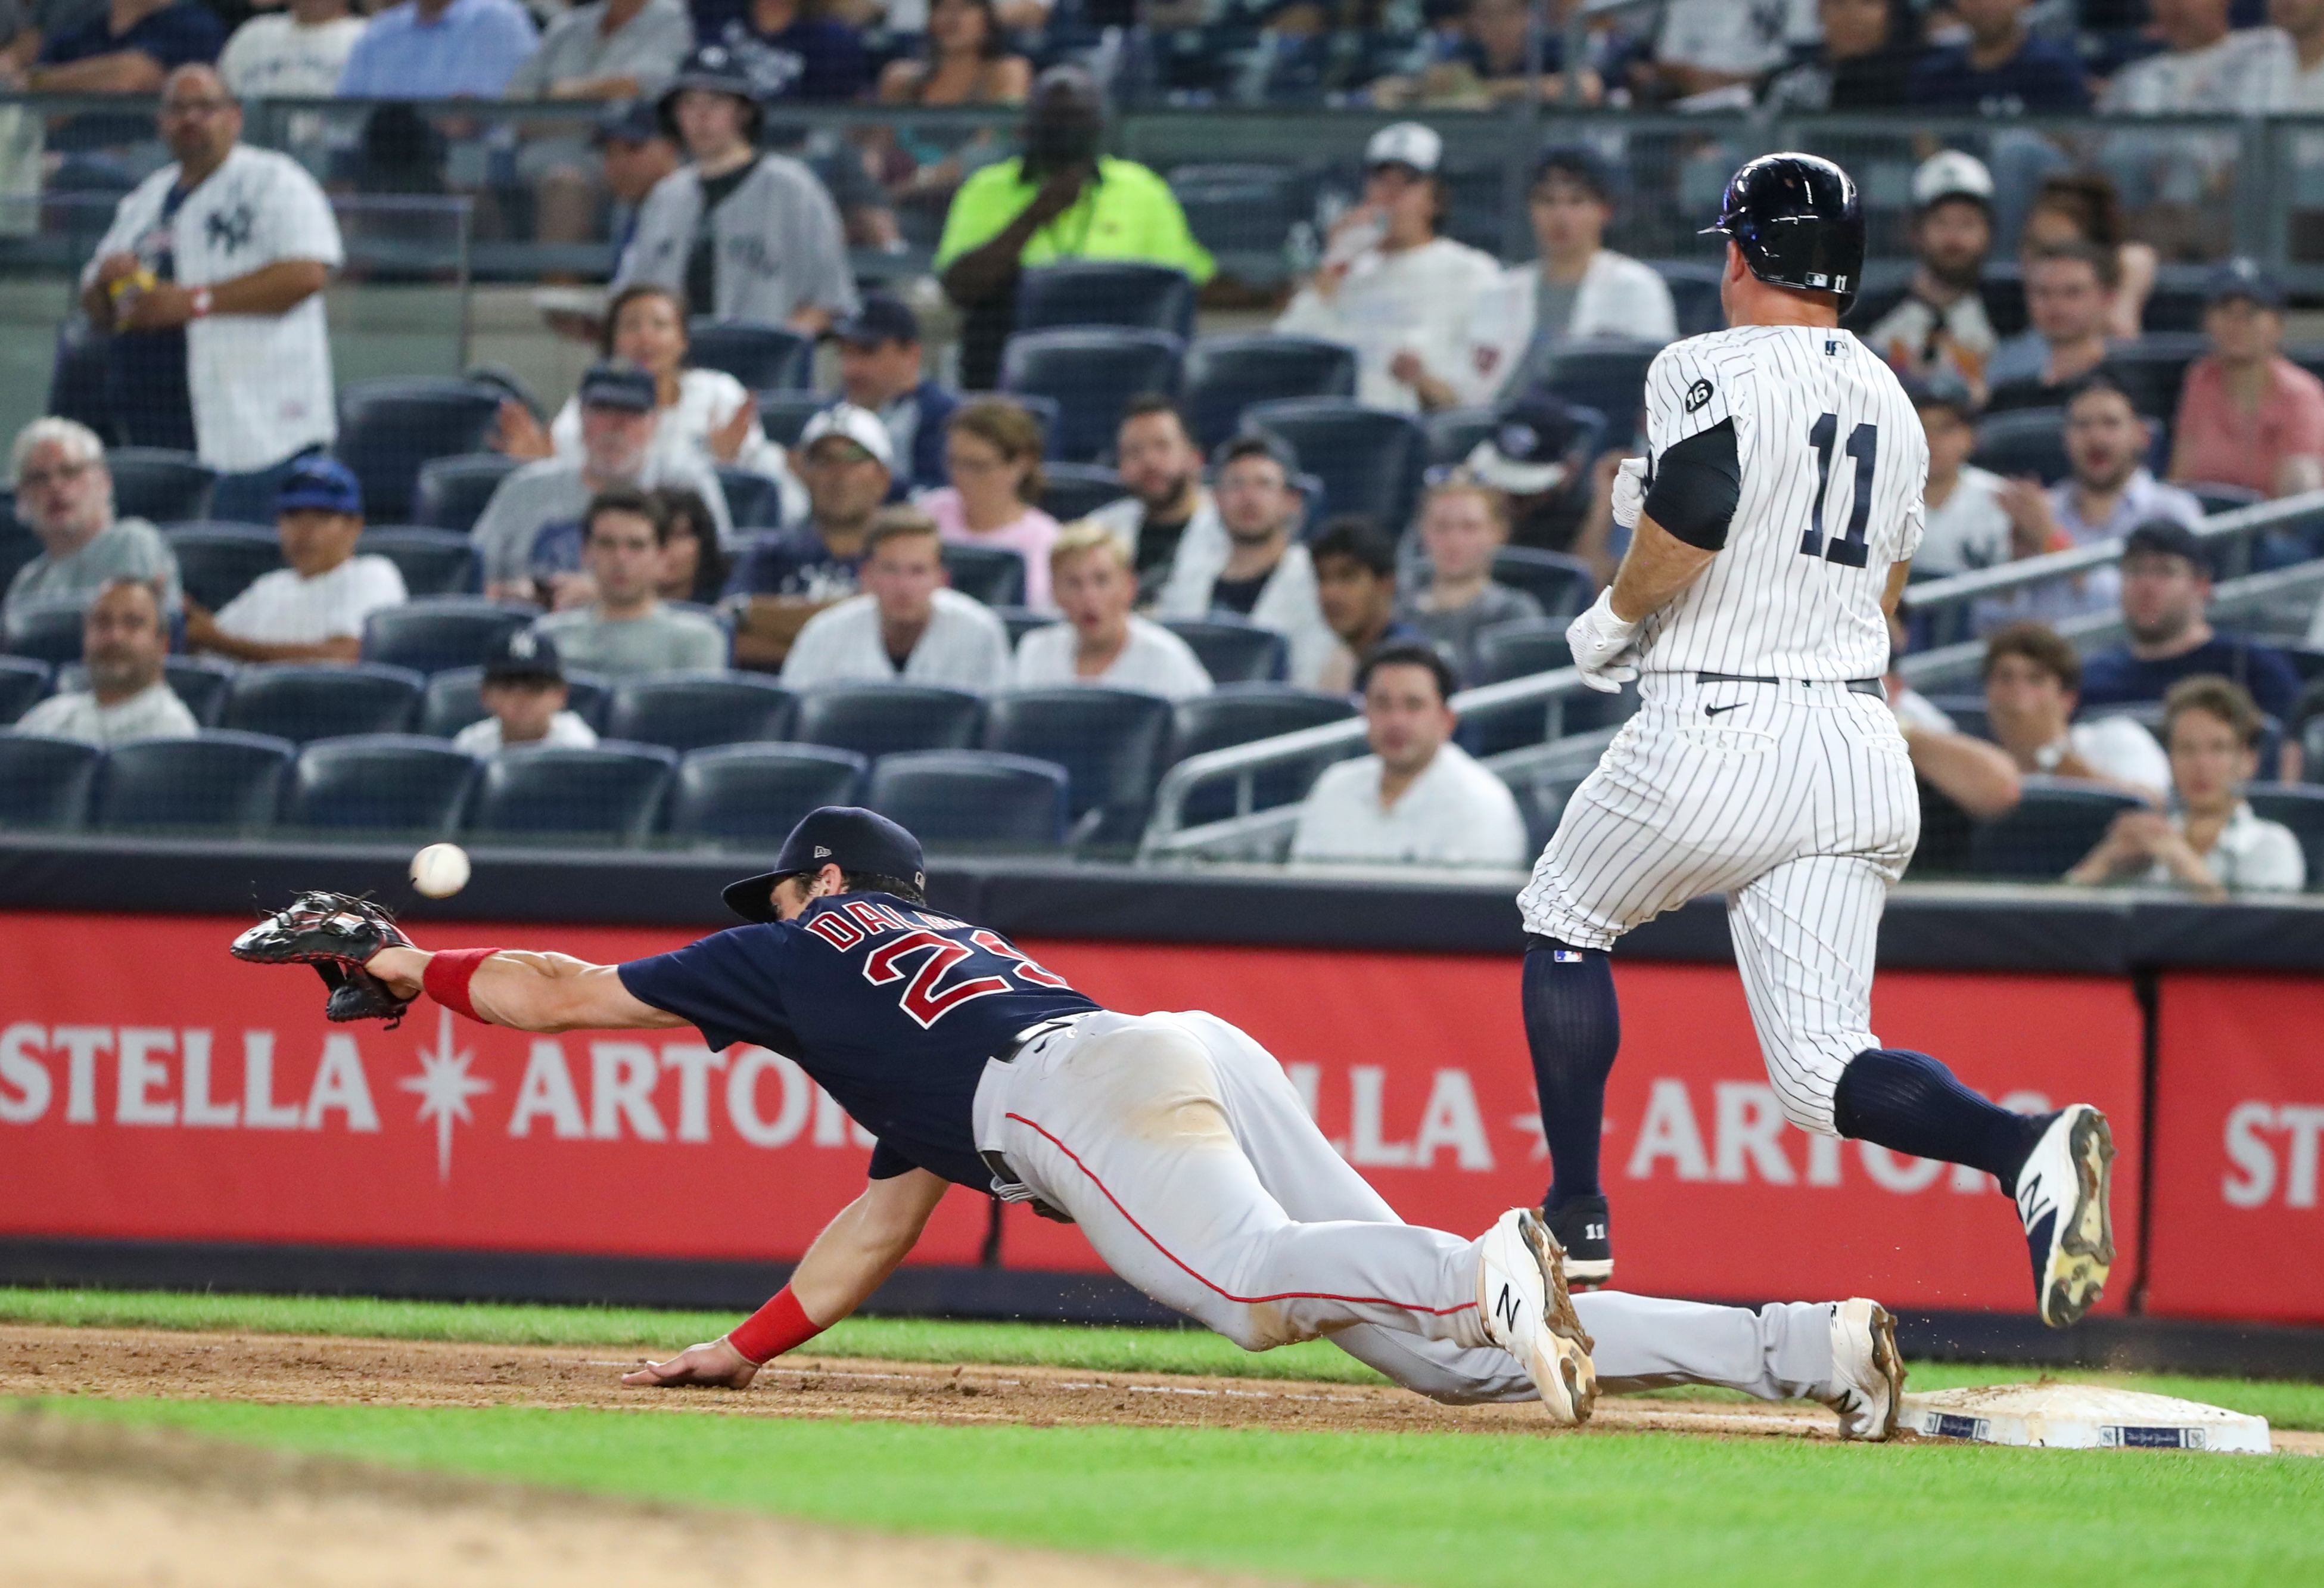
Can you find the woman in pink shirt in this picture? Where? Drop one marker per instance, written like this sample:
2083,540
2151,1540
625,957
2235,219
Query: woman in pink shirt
992,451
2247,416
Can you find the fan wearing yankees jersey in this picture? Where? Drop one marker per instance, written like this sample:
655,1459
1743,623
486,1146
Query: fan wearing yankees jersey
1774,520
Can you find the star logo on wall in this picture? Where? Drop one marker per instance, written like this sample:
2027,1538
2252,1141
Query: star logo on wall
445,1085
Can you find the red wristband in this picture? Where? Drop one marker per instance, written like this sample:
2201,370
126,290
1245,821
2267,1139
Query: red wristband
774,1329
446,980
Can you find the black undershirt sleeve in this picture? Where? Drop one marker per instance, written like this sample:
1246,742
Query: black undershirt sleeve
1697,483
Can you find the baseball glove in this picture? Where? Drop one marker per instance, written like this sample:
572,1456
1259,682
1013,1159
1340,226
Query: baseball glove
336,934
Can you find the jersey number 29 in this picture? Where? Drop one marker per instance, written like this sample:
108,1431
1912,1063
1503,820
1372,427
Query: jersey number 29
1864,446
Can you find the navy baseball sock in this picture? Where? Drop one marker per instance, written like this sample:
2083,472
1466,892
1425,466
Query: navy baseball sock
1573,1025
1909,1102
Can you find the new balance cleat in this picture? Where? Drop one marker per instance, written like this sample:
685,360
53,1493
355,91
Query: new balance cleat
1867,1376
2062,1200
1521,1294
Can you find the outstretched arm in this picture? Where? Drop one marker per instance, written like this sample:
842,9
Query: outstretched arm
530,991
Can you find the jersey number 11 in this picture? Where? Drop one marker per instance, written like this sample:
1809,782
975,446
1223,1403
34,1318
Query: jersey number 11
1864,446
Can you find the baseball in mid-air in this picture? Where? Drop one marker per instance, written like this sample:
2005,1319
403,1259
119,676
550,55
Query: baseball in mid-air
441,869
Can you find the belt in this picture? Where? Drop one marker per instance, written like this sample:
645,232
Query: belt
1854,685
1007,1185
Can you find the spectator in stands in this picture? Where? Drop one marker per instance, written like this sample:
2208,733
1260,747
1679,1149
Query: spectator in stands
965,60
1062,199
314,609
1864,63
2299,86
701,417
1390,287
1942,323
2032,681
2002,68
129,47
2166,586
744,236
1101,641
530,533
634,152
526,700
845,458
2069,291
792,50
605,50
1967,526
1417,799
123,639
439,50
2247,415
299,52
1538,457
2213,845
1501,53
1704,46
1355,585
1463,524
884,367
694,567
2179,181
1167,505
1578,287
1975,778
40,21
211,279
1257,569
2082,207
628,632
993,455
907,626
64,492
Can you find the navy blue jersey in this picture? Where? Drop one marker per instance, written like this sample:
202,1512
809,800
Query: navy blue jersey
893,1009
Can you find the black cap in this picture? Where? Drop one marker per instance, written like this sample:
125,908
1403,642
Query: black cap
636,121
1530,451
1257,444
616,384
1941,388
718,69
846,836
2247,279
526,653
1577,162
1798,222
884,318
2169,538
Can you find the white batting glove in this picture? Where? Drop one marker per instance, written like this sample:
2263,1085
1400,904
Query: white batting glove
1600,641
1629,492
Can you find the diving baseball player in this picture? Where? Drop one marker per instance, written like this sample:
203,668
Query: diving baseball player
1775,518
1176,1142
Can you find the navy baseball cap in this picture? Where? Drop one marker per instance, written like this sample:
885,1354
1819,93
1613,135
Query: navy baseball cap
2246,278
526,653
1257,444
884,318
320,481
846,836
1531,448
2167,537
1941,388
616,384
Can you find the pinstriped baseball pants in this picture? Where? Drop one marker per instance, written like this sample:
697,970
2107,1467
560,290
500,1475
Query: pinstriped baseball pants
1795,799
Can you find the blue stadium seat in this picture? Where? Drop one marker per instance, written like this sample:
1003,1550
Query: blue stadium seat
972,799
49,632
219,781
438,631
753,501
2024,441
754,794
2300,808
1237,713
1243,212
383,783
1021,621
44,784
1370,460
202,682
1518,651
300,701
1562,584
1453,433
875,720
1090,375
2218,498
24,680
695,710
1232,650
433,562
1226,375
1113,745
18,545
784,414
218,561
164,486
994,575
1969,713
1607,374
389,428
452,491
1694,294
2055,823
1075,490
455,699
1075,293
2152,368
612,794
764,358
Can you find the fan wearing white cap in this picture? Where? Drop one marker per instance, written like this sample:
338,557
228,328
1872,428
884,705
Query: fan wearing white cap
1941,326
1390,287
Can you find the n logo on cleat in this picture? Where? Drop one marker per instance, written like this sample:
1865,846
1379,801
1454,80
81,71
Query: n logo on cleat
1507,1307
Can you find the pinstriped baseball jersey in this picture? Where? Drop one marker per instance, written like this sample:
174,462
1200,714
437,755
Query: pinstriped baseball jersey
1832,463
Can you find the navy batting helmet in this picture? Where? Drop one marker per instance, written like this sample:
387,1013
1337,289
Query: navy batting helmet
1798,222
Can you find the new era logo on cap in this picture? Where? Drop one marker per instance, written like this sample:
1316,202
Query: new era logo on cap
821,852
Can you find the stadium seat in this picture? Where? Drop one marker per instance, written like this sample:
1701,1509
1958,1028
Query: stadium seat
694,710
1021,621
1562,584
784,414
753,501
754,794
433,562
1113,745
218,561
44,784
202,682
1243,212
2026,441
1080,292
972,799
1969,713
383,783
875,720
2177,299
610,794
18,545
1090,375
24,680
219,781
1694,294
1453,433
1045,409
452,491
300,701
2218,498
1519,651
1369,460
1226,375
2151,369
1237,713
389,428
2055,823
994,575
1075,490
1607,374
764,358
2300,808
455,699
160,486
1233,651
438,631
49,632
